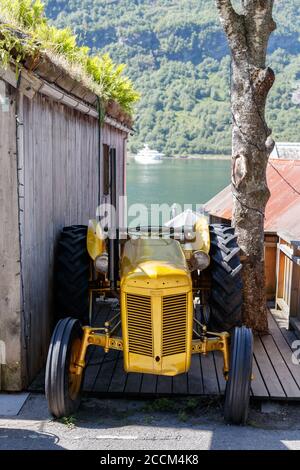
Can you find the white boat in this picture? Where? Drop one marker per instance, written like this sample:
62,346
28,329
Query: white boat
146,156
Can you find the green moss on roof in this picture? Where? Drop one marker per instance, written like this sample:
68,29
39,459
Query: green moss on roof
25,32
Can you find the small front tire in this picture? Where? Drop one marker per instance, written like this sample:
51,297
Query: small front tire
237,394
62,385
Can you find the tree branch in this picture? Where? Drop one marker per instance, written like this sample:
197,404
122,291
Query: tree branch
234,28
260,11
226,10
229,18
259,25
250,6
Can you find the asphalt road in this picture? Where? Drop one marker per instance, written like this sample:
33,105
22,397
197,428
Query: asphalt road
164,424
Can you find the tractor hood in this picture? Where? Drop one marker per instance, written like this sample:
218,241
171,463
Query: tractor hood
147,260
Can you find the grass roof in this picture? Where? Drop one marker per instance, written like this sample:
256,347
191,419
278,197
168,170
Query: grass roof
25,32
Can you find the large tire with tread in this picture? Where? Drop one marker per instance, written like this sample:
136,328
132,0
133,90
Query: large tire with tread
237,394
72,274
226,280
63,388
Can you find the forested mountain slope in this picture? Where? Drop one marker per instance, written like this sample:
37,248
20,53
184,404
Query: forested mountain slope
178,58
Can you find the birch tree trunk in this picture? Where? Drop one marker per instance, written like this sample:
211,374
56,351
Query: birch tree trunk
248,34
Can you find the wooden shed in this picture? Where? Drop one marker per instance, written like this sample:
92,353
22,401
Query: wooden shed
54,152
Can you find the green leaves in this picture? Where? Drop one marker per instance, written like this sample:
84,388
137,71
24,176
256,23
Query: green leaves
110,80
105,77
24,13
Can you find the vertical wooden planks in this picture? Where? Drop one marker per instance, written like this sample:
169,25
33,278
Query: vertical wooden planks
61,188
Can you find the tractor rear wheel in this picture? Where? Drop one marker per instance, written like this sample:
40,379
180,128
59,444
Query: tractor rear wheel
62,384
237,392
226,289
72,274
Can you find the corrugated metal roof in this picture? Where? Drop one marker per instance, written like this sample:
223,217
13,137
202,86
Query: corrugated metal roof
288,150
283,208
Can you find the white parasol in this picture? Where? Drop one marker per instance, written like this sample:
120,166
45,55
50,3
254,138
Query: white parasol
186,219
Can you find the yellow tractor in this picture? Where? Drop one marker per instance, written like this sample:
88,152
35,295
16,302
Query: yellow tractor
179,292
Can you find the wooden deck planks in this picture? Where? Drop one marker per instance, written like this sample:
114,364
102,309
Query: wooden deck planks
284,347
209,375
180,383
275,376
277,325
94,362
106,372
164,385
218,359
148,385
118,381
265,366
96,356
258,387
283,373
133,383
193,379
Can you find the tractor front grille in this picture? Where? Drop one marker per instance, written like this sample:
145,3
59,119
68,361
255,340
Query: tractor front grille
140,338
174,324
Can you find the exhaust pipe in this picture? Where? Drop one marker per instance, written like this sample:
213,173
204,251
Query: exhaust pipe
113,253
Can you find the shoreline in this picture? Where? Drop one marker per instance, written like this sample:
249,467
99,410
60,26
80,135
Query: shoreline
202,157
193,157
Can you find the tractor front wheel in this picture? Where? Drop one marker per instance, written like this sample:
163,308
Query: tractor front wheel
62,384
237,392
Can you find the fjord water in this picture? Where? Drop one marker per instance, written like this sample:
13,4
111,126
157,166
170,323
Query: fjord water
181,181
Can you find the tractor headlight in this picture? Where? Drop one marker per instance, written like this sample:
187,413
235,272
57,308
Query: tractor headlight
199,261
189,235
101,263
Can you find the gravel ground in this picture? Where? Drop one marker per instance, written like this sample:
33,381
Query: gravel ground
183,424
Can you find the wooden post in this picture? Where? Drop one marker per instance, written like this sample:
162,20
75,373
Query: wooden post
270,264
288,279
279,272
295,288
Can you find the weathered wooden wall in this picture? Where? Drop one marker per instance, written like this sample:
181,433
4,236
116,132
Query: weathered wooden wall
10,279
60,179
